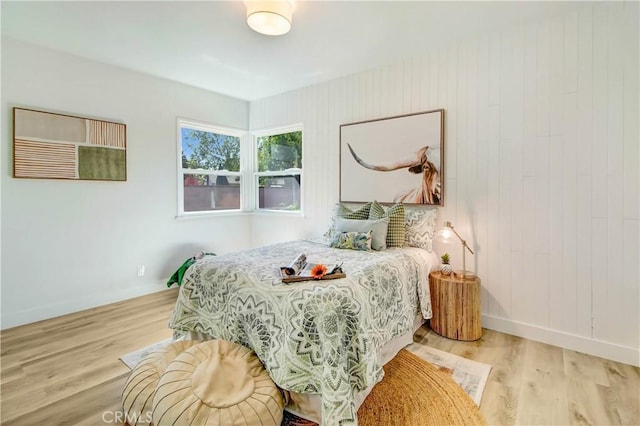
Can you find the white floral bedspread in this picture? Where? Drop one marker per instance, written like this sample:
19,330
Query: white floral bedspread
317,337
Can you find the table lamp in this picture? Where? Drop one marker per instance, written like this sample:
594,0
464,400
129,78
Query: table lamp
445,234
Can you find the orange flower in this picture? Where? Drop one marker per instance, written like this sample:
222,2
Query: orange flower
318,271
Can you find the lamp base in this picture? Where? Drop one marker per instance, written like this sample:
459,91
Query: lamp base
464,275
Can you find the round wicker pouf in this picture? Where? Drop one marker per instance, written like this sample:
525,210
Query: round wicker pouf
141,384
217,383
412,393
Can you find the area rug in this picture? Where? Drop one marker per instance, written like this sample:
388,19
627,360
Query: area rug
412,392
444,390
470,375
133,358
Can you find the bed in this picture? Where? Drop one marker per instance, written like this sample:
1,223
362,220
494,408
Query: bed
324,342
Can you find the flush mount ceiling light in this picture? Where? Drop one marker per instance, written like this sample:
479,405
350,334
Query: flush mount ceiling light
270,17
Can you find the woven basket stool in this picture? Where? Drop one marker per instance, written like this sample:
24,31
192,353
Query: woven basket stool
141,384
217,383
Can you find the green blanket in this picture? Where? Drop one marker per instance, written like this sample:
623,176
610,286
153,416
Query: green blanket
177,276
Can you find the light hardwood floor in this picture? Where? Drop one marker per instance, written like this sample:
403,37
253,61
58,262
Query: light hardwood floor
66,371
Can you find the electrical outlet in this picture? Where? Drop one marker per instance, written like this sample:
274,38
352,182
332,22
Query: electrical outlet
141,269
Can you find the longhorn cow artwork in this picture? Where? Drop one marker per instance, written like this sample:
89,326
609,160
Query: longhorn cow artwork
396,159
429,190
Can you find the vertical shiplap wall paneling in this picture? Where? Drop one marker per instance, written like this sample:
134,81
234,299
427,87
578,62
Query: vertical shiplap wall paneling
482,206
379,100
615,175
454,116
318,142
327,135
505,140
556,142
631,266
495,276
471,154
542,164
599,149
433,80
519,301
336,110
367,86
569,167
583,163
542,171
376,102
631,40
394,89
407,85
529,167
462,218
505,136
420,77
450,194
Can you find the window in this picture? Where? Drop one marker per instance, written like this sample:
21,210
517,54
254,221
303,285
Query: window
210,172
279,169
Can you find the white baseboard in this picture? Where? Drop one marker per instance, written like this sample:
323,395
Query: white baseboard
608,350
27,316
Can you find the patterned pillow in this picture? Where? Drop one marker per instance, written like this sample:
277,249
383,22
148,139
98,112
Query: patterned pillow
362,213
396,231
352,240
421,227
341,210
378,229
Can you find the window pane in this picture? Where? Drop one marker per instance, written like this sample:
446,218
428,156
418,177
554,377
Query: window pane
209,150
279,192
280,152
209,193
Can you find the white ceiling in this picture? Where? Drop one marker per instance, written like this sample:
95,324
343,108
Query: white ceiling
210,46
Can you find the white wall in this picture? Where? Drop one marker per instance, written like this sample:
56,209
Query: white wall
541,170
70,245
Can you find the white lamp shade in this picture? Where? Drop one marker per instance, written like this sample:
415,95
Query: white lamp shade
270,17
446,242
446,235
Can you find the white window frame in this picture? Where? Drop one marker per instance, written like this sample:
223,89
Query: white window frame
198,125
289,172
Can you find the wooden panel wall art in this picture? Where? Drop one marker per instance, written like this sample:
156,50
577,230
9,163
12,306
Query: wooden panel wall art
395,159
57,146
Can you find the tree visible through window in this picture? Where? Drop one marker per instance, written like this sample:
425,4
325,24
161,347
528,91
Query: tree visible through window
210,172
279,171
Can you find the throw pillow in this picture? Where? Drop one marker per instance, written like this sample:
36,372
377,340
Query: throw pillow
421,227
361,213
396,231
341,210
378,229
352,241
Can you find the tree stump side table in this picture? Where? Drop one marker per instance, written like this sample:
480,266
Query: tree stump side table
456,306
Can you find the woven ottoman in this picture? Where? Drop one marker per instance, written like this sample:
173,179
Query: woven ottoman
141,384
217,383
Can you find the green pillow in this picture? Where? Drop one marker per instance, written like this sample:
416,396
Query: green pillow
345,212
352,240
396,232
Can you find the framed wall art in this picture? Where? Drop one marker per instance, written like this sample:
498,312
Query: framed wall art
58,146
394,159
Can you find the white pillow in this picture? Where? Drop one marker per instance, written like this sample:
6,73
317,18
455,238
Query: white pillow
421,227
378,228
